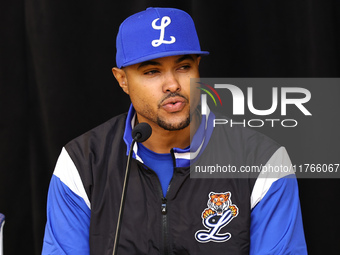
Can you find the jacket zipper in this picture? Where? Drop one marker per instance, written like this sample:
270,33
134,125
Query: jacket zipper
164,212
165,226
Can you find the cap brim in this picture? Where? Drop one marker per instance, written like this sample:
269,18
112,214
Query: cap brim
162,55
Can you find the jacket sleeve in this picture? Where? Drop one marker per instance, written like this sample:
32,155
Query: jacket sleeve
276,221
68,211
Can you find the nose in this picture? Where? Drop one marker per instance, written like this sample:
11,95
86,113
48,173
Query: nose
171,83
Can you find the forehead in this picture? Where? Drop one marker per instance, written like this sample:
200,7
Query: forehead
165,60
219,195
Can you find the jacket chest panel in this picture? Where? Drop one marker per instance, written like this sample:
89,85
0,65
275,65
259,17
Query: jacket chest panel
194,223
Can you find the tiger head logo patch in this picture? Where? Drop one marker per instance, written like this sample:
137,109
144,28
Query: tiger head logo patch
219,213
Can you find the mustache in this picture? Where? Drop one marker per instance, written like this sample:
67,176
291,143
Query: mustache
173,94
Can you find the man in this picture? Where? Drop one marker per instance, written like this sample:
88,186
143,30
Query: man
166,211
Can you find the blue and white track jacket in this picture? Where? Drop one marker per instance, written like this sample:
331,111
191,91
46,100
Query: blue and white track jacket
256,215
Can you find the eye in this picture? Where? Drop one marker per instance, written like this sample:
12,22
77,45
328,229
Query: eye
184,67
221,199
151,72
215,199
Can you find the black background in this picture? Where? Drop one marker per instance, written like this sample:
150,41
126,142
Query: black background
56,83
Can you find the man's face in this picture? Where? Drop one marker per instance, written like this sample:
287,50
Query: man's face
160,90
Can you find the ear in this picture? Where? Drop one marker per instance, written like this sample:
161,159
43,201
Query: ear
120,76
227,195
198,60
211,194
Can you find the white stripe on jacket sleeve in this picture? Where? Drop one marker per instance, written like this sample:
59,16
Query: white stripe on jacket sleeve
67,172
266,178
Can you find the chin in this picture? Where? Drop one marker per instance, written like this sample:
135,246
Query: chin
173,126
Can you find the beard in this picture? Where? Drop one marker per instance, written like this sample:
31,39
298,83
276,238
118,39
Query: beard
171,126
165,124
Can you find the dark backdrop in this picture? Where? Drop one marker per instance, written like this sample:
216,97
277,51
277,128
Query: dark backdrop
56,83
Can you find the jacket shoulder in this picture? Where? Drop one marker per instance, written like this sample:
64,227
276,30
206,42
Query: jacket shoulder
104,132
94,152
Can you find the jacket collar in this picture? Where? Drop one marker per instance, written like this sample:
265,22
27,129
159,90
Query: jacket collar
183,157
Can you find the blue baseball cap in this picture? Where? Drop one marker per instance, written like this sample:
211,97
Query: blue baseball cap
156,33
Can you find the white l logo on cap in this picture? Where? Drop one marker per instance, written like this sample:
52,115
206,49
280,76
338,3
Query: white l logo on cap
164,23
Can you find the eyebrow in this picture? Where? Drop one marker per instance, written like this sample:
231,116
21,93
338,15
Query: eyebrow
184,57
147,63
155,63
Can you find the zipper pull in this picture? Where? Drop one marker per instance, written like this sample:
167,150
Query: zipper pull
164,210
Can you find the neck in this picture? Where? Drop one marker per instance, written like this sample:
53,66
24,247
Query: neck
162,141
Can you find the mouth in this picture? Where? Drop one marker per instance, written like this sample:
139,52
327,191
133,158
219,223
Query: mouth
173,104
